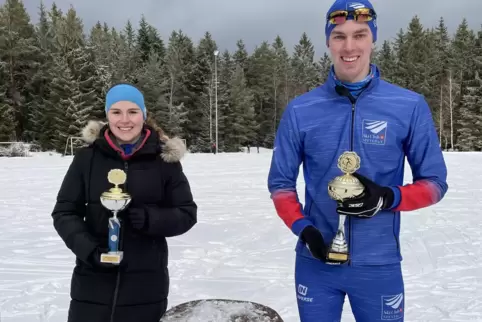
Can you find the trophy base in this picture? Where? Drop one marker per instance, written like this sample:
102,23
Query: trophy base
112,257
338,251
337,258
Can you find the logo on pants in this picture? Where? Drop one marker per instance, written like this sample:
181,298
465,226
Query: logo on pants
302,292
392,307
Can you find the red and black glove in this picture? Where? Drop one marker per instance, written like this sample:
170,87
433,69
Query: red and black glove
373,199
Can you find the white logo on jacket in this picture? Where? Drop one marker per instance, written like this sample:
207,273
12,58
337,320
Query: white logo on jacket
374,132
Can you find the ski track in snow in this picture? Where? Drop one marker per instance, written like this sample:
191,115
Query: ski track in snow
239,249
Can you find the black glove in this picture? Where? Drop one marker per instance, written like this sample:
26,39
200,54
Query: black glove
315,242
94,258
373,199
137,217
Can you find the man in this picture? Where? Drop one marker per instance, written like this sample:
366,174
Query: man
384,124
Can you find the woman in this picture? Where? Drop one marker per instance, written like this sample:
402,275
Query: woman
162,206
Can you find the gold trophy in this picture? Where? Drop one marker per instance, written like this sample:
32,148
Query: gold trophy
114,200
342,188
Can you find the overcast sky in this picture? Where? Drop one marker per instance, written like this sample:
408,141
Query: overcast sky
258,20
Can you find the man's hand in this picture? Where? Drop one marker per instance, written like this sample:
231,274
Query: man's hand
315,242
373,199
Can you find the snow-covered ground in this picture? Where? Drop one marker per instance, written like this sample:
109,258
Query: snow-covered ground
239,249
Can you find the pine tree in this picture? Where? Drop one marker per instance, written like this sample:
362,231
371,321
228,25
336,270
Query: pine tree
143,41
7,111
101,47
18,53
81,61
127,55
260,76
99,39
386,62
304,69
201,83
418,57
441,73
240,118
225,71
470,120
156,43
155,90
64,106
462,55
39,85
324,66
240,56
179,64
280,82
401,69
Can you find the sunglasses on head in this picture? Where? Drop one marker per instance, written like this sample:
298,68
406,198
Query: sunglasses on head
360,15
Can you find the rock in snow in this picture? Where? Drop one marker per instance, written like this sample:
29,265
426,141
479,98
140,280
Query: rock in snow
220,310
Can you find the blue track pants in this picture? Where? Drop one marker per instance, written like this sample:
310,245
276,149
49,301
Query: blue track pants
376,293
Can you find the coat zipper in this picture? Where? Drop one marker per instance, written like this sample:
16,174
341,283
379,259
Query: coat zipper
121,244
353,102
352,138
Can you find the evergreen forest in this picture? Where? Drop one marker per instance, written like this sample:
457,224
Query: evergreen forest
54,75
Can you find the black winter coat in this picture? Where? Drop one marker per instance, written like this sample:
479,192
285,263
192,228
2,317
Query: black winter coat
136,290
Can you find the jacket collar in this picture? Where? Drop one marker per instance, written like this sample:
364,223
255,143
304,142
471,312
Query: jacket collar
330,84
171,149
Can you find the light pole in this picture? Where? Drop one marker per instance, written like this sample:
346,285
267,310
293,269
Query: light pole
211,113
216,53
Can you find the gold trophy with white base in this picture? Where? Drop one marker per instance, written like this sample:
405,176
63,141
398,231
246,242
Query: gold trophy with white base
114,200
340,189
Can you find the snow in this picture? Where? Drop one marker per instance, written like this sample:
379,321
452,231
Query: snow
239,249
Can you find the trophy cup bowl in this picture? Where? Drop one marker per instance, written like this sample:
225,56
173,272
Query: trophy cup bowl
345,187
115,203
114,200
342,188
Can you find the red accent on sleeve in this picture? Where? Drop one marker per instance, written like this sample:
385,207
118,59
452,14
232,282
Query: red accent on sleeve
418,195
287,207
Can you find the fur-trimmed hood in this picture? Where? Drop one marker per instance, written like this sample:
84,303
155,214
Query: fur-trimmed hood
173,149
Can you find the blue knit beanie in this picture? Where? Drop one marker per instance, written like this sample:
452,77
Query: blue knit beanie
125,92
349,6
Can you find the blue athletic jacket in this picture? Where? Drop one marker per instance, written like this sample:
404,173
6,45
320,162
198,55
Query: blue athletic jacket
386,125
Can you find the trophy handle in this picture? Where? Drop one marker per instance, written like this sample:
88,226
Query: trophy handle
114,255
341,223
338,250
114,230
